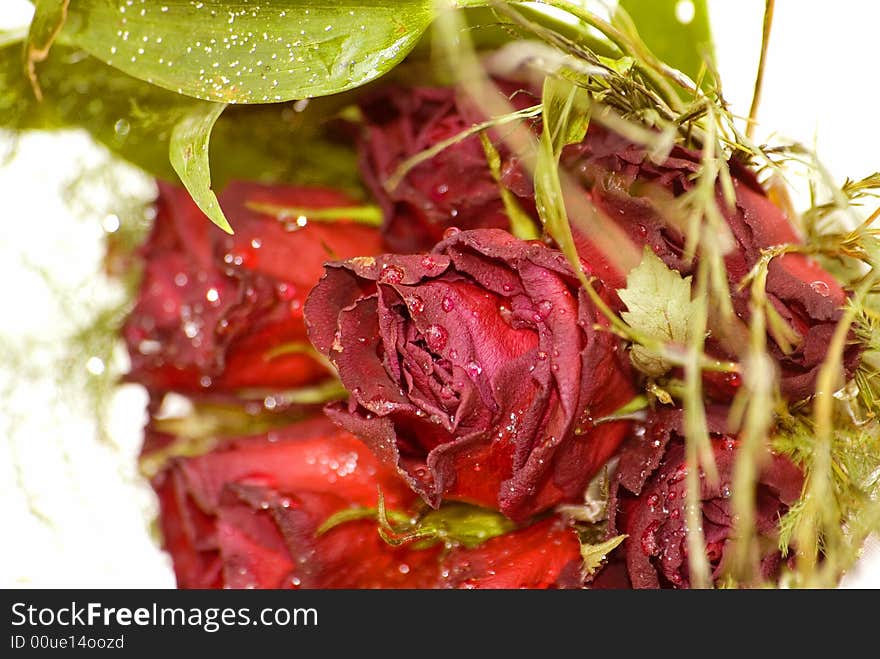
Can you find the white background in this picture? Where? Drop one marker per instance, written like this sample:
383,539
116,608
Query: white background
74,511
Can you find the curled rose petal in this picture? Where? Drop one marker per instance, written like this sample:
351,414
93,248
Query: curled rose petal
648,500
453,188
248,515
476,370
635,191
211,307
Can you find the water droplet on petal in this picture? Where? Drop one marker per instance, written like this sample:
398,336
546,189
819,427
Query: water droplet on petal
447,304
415,304
451,231
391,274
821,288
436,337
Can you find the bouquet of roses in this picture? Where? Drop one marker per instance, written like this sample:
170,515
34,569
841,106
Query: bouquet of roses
524,310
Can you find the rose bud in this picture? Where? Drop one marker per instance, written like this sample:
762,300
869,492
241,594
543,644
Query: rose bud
453,188
254,514
623,182
211,307
481,370
649,495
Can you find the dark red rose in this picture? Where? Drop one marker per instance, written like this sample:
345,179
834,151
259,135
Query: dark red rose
619,177
477,369
649,495
211,306
247,516
454,188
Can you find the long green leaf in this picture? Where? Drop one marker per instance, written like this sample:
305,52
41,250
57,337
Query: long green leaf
135,120
676,31
188,153
263,51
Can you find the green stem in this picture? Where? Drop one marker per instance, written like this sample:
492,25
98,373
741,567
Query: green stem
759,78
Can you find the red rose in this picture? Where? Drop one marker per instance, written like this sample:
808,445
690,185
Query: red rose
649,494
247,516
211,306
454,188
477,369
616,173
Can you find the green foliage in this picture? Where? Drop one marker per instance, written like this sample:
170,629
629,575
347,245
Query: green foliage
453,524
683,45
49,18
188,153
566,116
659,306
595,555
135,120
259,52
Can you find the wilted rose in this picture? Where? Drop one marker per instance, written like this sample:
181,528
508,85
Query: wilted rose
212,308
648,504
477,370
453,188
249,515
623,182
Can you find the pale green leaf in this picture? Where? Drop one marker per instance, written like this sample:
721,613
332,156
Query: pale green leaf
594,556
234,51
659,306
188,152
676,31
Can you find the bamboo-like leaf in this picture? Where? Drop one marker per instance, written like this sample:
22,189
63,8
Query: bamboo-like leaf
188,153
262,51
566,116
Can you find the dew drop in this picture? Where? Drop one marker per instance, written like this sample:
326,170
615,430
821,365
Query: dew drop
95,365
451,231
447,304
436,337
473,369
121,128
820,288
391,274
110,223
415,304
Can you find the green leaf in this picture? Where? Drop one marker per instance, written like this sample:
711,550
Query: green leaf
188,153
682,45
659,306
135,119
566,117
49,18
594,555
452,524
464,524
233,51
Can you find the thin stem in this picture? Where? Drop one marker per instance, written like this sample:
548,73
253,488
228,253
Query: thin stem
759,78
